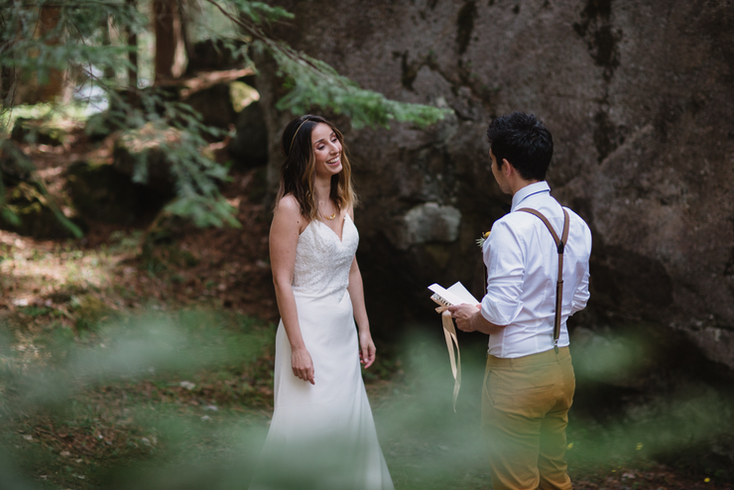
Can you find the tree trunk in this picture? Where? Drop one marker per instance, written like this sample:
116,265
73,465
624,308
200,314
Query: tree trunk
187,10
132,71
29,86
109,69
170,49
8,84
53,87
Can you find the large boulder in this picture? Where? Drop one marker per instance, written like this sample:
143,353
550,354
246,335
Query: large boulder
25,207
211,55
15,166
100,192
249,147
29,211
215,105
639,98
143,156
36,131
135,186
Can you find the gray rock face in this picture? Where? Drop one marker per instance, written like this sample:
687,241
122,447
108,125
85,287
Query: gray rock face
639,96
425,223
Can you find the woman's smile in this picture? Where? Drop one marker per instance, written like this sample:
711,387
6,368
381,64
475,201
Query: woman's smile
327,151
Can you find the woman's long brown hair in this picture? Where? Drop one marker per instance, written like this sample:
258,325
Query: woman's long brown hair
297,173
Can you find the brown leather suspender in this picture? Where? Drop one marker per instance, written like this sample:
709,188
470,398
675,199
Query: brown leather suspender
560,245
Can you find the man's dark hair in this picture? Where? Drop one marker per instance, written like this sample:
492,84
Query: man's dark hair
525,143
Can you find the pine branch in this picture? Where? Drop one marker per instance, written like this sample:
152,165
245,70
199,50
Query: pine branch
310,82
73,5
313,82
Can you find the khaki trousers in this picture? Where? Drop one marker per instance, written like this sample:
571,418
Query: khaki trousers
525,405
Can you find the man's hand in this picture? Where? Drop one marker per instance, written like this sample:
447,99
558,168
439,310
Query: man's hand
463,315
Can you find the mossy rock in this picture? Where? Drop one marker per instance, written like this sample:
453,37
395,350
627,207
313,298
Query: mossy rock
35,215
101,125
100,192
213,55
37,131
15,166
141,156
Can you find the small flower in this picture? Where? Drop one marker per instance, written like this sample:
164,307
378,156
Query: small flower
638,446
707,479
485,235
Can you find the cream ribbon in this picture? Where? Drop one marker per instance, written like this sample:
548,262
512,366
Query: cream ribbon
449,332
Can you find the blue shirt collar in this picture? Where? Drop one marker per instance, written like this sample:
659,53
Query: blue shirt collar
527,191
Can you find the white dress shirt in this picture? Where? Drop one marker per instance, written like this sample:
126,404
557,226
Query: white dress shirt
522,269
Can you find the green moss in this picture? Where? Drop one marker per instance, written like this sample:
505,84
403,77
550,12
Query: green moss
89,310
37,131
35,215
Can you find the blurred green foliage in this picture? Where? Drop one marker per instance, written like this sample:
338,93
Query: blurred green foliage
80,43
181,400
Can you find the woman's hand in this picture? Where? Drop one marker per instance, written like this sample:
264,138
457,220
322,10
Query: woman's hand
302,365
367,349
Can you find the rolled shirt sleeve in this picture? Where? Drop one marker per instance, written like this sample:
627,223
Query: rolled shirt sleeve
581,294
522,272
505,272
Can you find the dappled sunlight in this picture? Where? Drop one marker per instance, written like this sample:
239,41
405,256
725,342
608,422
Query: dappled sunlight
33,271
95,382
138,171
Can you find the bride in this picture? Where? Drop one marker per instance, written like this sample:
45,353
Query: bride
322,434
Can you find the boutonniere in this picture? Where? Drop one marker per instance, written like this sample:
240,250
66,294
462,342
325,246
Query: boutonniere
480,241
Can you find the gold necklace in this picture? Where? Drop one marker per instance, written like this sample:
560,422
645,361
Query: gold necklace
333,216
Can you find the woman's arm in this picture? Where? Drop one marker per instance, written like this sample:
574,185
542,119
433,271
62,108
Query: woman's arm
287,225
356,292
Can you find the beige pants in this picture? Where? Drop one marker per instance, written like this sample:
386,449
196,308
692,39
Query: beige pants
525,403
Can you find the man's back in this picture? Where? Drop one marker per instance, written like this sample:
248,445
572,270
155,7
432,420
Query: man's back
528,384
522,269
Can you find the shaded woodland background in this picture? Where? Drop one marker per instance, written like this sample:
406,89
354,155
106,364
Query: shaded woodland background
139,159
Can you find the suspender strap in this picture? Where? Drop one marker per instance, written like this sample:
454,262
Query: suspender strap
560,245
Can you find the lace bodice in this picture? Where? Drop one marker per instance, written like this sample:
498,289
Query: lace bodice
322,260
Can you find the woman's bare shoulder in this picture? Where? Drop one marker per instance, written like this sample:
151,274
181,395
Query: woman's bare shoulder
288,205
288,213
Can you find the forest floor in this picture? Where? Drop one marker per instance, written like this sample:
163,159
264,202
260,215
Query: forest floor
129,366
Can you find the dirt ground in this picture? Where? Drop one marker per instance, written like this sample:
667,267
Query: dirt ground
225,269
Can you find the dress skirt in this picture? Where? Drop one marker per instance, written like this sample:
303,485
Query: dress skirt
322,436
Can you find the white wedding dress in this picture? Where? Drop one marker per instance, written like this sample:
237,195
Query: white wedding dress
322,436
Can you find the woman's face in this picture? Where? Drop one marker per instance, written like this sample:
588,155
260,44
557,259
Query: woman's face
327,151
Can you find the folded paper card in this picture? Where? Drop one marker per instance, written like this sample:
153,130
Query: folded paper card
455,295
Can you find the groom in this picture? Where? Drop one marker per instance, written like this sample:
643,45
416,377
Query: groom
529,381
